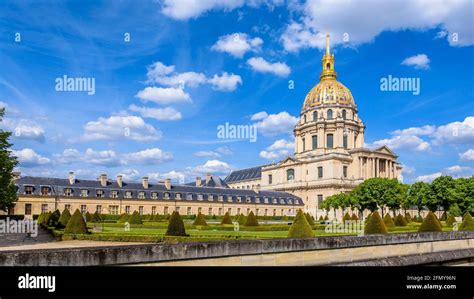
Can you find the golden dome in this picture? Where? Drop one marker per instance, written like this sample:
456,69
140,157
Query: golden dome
328,91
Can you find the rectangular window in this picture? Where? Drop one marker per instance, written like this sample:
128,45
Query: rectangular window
28,190
98,209
165,211
100,193
314,140
128,194
84,193
238,211
220,211
274,212
229,210
153,210
67,207
344,141
344,171
320,200
210,211
304,144
127,209
320,172
27,209
45,191
114,210
83,209
140,210
154,195
330,141
189,211
44,208
177,209
199,210
270,179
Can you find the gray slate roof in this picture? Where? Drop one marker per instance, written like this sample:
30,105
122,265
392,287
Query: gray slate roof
58,187
246,174
215,181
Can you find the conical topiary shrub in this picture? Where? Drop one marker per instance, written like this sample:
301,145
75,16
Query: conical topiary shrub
46,219
157,217
54,218
123,218
64,219
467,224
300,227
252,220
354,217
76,224
451,220
346,217
400,220
375,225
419,219
200,220
408,218
227,219
176,226
40,218
135,218
321,218
309,218
443,217
242,219
388,221
96,217
88,217
326,218
430,224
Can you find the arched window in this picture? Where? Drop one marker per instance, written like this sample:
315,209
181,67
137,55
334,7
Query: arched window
304,117
303,141
344,141
315,115
290,174
329,140
330,114
328,66
344,114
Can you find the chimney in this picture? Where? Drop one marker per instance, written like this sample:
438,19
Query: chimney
72,178
103,180
120,180
208,178
145,182
198,181
16,175
168,184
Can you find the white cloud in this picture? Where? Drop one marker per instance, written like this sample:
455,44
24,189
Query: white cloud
112,159
225,82
274,124
237,44
455,132
23,129
279,149
29,158
167,113
408,169
223,150
120,127
467,155
183,10
455,171
211,166
259,115
164,96
130,175
259,64
362,21
403,142
428,178
416,131
420,61
176,176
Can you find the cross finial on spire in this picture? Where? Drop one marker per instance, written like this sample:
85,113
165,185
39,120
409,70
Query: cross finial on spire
327,43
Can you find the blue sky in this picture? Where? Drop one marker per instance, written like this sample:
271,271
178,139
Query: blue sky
190,66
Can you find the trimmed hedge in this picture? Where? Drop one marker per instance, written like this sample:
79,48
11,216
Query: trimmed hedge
300,227
375,225
467,224
252,220
123,218
88,217
408,218
76,225
400,220
226,219
430,224
444,217
96,217
388,221
346,217
242,219
200,220
64,219
309,218
135,218
451,220
176,226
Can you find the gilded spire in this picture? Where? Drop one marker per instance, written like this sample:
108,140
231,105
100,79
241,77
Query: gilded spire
328,63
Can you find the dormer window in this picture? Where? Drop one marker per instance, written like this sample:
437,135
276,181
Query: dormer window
166,195
99,193
210,197
45,191
114,194
265,200
229,199
29,190
177,195
141,195
199,197
128,194
274,200
68,192
248,199
290,202
84,192
282,201
239,199
154,195
257,200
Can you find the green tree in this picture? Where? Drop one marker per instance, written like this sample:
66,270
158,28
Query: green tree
464,194
176,226
417,194
76,225
443,192
135,218
8,162
200,220
64,219
369,193
227,219
251,220
300,227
